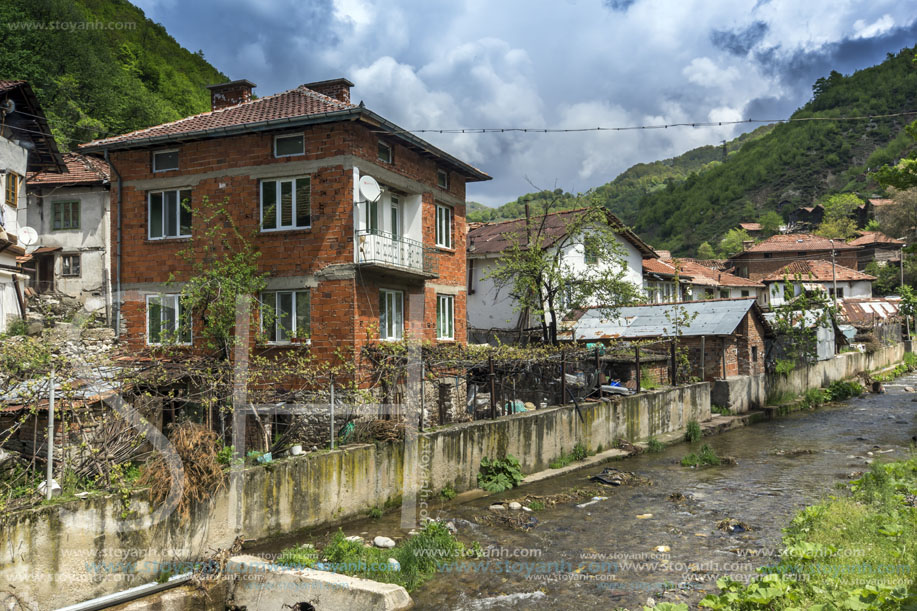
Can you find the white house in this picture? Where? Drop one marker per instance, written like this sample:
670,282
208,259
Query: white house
25,146
816,275
71,211
491,307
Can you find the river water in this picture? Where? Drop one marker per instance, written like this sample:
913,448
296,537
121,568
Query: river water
604,555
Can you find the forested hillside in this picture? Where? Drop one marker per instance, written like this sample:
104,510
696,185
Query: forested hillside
100,66
681,202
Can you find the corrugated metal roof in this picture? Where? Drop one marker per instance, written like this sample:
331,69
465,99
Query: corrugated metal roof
716,317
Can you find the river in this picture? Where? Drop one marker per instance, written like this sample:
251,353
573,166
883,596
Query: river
606,555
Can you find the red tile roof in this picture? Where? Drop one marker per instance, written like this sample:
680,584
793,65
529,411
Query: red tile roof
494,238
875,237
720,278
81,169
815,270
750,226
9,85
879,202
298,102
796,242
663,268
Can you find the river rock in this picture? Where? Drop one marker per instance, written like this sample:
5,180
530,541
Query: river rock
450,526
515,506
355,538
662,549
497,507
394,565
644,516
383,542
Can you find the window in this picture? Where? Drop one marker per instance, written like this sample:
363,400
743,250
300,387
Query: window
590,253
372,216
445,317
70,265
65,215
724,294
391,315
442,179
286,204
744,293
384,152
289,315
12,189
767,255
840,293
443,226
167,321
163,161
288,146
170,214
396,217
754,354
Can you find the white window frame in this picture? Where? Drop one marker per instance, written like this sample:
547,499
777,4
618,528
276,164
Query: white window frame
178,204
294,330
442,179
445,225
153,162
179,313
445,317
277,210
391,330
284,136
391,152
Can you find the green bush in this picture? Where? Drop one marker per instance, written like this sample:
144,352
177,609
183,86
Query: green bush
716,409
785,366
843,389
17,327
704,457
499,474
648,380
448,493
910,361
692,432
654,445
580,452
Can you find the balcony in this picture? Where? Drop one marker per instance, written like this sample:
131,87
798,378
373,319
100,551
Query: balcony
400,255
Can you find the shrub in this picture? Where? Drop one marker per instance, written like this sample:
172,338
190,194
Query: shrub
448,493
17,327
375,513
704,457
692,432
580,452
910,361
716,409
654,445
842,389
499,474
785,366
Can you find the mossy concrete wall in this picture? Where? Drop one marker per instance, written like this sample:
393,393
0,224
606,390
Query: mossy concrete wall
60,554
742,393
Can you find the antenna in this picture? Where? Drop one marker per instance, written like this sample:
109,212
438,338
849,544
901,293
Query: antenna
370,189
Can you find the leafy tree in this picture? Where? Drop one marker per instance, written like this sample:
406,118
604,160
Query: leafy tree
837,222
705,251
734,242
770,223
546,285
796,322
900,220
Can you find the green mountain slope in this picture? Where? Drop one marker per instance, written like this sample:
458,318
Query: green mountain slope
100,67
794,164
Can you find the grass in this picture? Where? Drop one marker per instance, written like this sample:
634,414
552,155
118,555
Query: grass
717,409
375,513
448,493
418,557
704,457
692,432
536,505
648,380
579,453
851,551
654,446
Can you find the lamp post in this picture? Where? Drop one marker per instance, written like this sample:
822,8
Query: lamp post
833,274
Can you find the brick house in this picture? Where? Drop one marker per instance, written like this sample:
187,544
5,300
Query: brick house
818,276
876,246
725,337
776,252
343,270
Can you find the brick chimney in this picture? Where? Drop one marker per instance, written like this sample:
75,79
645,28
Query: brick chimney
338,88
232,93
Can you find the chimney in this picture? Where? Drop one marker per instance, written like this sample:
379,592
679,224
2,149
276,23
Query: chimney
746,244
229,94
338,88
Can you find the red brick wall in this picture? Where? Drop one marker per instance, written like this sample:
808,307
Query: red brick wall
342,310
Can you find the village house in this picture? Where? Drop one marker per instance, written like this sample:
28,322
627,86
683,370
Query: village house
724,337
776,252
698,282
878,247
819,276
491,308
752,229
70,213
346,265
25,146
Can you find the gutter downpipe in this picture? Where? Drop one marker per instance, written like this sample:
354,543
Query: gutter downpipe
116,302
110,600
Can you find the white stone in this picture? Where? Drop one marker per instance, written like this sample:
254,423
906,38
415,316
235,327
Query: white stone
356,538
450,526
497,507
384,542
394,565
515,506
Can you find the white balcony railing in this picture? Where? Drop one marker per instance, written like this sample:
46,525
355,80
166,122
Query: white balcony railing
385,249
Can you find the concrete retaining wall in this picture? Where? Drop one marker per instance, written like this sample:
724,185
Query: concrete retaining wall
742,393
74,551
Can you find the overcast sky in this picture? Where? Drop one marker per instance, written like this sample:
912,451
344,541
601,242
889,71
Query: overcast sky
430,64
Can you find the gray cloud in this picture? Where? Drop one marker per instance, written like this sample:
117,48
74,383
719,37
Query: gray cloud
618,5
741,41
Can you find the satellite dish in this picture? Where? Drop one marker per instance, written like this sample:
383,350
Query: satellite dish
8,107
369,188
27,236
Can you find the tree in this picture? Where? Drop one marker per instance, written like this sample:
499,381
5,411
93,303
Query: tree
734,242
770,222
837,222
900,219
539,275
705,251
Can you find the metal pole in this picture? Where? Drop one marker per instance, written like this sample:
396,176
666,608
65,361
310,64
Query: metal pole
674,373
703,357
422,396
493,390
563,377
598,372
833,274
332,411
50,438
637,366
